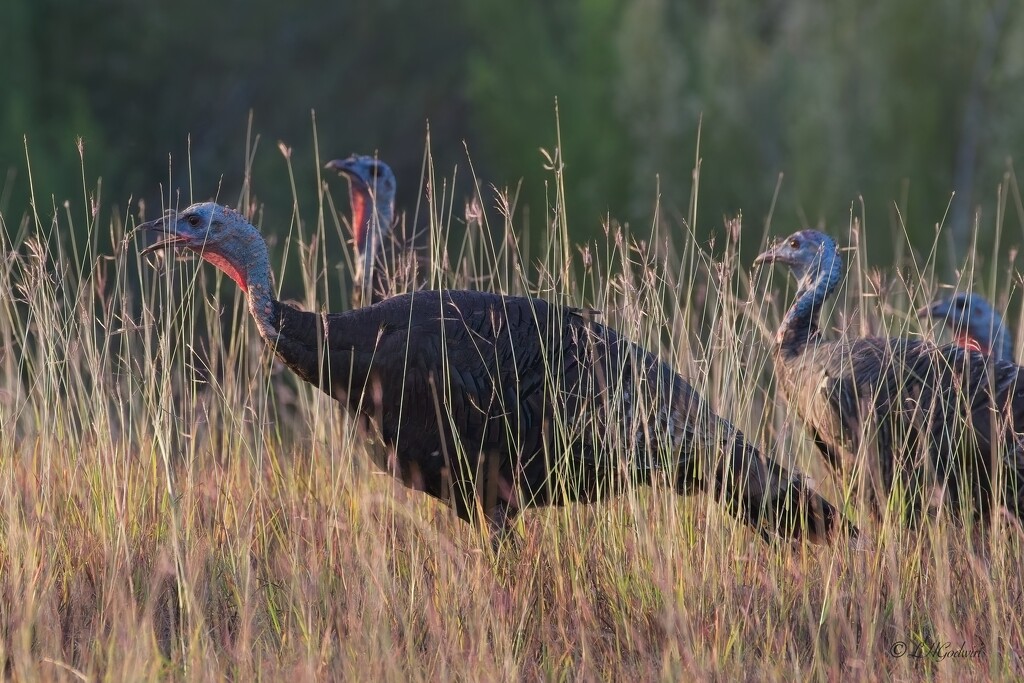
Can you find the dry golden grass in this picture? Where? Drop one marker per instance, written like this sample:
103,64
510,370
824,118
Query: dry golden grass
175,505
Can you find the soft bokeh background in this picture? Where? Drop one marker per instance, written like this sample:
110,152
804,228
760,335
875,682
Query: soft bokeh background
900,103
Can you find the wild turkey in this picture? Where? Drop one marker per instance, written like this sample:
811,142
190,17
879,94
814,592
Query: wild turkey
903,409
494,403
974,323
386,263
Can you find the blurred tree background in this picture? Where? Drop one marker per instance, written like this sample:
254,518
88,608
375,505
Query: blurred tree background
899,102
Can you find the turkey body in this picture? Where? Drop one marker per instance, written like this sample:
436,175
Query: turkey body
912,414
904,412
494,403
511,399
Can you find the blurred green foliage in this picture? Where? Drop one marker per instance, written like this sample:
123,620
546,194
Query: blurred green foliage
898,102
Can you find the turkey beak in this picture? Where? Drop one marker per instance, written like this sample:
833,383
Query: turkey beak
160,225
341,167
768,256
938,310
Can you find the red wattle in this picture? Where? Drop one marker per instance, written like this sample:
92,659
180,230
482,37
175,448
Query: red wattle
970,343
227,267
358,219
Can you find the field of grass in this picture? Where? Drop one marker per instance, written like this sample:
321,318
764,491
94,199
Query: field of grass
174,504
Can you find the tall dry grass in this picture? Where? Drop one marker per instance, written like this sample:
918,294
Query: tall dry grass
173,504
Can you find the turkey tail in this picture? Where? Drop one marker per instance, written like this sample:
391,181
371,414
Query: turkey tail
772,500
1013,481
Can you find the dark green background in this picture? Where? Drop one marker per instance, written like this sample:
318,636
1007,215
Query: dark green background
898,102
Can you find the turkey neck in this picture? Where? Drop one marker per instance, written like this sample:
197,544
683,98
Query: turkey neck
259,294
371,218
800,326
286,330
1001,344
293,335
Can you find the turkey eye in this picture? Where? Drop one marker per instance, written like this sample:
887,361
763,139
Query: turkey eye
794,243
194,221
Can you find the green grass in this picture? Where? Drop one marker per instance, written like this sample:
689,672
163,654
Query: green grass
174,504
